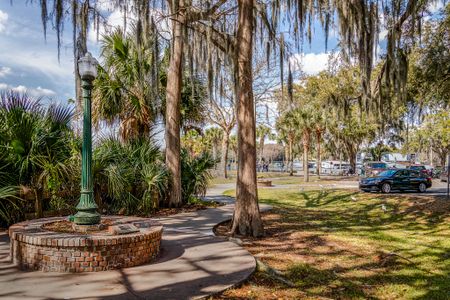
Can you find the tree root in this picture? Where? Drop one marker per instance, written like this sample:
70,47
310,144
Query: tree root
272,273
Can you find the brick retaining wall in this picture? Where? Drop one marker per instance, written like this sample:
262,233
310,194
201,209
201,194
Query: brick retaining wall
33,248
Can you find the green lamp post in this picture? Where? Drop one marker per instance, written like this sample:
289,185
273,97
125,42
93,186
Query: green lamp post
87,208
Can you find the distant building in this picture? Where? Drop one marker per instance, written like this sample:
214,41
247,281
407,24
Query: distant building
395,157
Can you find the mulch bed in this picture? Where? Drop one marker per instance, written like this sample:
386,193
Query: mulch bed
65,226
164,212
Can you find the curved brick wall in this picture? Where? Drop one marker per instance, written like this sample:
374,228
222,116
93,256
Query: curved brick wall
33,248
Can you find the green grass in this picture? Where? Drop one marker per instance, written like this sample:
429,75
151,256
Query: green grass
279,178
335,243
232,177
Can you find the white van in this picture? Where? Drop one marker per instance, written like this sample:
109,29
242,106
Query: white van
335,167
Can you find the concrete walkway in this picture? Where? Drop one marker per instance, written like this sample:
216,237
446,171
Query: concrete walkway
193,263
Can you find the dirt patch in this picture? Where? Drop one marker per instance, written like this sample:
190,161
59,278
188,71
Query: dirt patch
438,205
164,212
66,226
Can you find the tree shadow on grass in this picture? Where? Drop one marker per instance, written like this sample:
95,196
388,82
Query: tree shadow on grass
305,225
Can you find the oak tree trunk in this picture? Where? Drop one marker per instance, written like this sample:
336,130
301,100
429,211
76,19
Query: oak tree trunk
442,158
246,219
225,145
173,100
351,152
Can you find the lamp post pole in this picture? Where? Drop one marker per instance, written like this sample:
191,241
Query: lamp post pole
87,208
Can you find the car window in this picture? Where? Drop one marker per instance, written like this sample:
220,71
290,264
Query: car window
417,168
402,173
387,173
414,174
378,166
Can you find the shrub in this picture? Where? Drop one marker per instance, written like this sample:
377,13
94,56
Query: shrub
195,174
129,177
33,150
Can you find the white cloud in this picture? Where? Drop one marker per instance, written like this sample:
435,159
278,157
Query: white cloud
3,20
115,19
435,6
43,61
311,63
44,92
35,92
105,5
4,71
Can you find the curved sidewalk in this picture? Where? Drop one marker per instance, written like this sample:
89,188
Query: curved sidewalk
193,263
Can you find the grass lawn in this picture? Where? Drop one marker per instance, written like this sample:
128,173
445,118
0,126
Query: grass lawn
342,244
279,178
232,177
313,179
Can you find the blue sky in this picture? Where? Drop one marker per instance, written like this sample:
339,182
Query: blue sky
29,62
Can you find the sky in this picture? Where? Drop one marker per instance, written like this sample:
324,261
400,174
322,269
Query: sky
29,62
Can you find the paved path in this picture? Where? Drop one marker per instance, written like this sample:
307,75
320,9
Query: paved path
193,263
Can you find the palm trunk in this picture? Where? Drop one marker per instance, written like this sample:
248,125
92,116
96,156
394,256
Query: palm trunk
305,156
214,148
246,219
291,159
225,145
173,99
286,156
319,154
38,203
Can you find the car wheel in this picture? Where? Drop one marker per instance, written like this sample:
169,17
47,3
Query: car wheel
422,188
386,188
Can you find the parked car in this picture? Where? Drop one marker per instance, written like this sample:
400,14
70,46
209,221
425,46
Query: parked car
394,179
373,168
420,168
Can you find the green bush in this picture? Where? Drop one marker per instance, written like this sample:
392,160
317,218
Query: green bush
195,174
129,177
34,153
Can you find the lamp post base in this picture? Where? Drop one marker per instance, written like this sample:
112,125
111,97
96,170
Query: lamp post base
90,217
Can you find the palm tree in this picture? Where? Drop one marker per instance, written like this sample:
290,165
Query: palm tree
123,91
35,142
286,133
234,146
263,132
303,120
8,204
214,136
320,120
